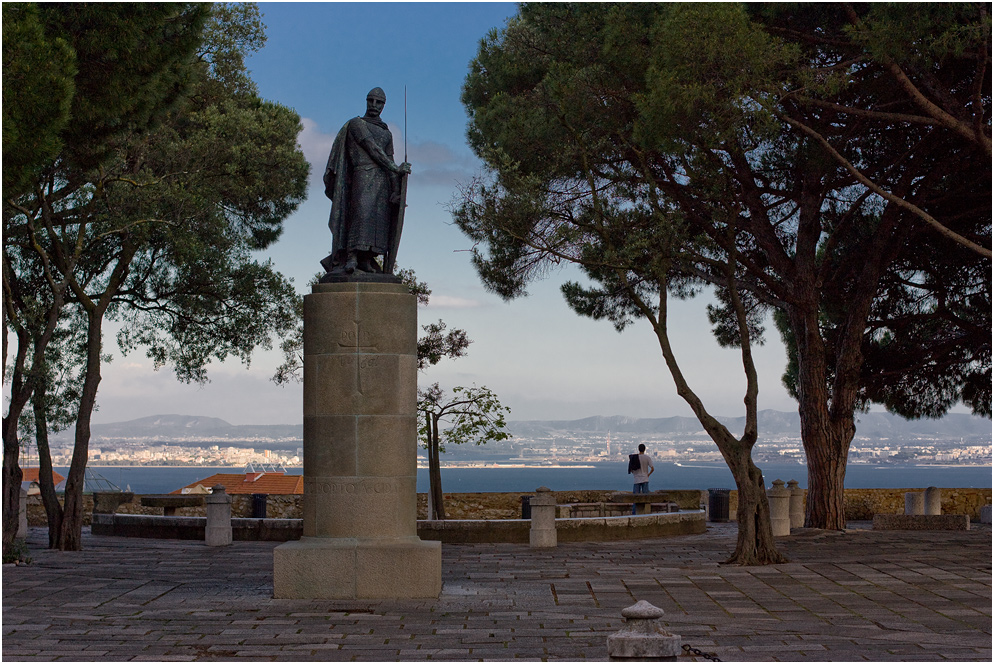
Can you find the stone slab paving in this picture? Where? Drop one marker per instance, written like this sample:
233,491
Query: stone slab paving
861,595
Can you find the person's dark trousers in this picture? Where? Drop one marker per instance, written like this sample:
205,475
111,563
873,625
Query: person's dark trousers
641,487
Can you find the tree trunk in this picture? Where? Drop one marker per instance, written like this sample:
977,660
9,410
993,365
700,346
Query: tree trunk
71,533
827,428
12,476
825,506
435,472
755,544
53,509
23,382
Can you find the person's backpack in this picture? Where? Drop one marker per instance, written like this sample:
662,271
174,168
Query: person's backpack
633,463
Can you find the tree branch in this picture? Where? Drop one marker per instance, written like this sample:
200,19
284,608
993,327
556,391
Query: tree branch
880,191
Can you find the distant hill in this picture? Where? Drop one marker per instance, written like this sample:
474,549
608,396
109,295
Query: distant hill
772,423
169,427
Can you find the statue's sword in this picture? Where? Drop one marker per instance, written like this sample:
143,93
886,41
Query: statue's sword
391,258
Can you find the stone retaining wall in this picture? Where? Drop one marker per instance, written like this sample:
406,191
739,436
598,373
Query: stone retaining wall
861,504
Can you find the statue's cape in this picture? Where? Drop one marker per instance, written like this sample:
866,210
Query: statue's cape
336,179
336,184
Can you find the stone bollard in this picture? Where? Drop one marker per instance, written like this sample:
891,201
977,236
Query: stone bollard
218,532
914,502
543,529
796,504
933,500
643,637
22,518
985,514
779,499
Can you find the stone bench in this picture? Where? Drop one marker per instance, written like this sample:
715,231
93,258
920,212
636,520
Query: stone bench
921,522
642,501
170,502
590,510
107,502
618,508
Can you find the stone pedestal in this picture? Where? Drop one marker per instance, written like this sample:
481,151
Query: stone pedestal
543,527
218,530
796,504
360,452
779,499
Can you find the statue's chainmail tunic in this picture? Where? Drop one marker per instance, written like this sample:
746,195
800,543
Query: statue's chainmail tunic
369,190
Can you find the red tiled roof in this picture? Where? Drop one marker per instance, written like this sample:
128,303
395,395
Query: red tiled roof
31,475
268,483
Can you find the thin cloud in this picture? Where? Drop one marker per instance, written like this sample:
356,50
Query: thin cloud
441,165
315,144
450,302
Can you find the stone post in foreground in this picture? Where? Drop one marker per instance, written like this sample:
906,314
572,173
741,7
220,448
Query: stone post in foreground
543,527
643,637
218,531
360,451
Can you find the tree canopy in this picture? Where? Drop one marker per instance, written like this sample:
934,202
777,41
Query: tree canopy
763,150
155,207
38,73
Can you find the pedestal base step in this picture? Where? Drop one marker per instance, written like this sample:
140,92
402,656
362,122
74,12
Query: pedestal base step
354,568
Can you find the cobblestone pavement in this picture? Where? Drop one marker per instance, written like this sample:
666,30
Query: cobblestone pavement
852,596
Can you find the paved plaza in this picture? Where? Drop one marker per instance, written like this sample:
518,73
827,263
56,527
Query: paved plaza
854,596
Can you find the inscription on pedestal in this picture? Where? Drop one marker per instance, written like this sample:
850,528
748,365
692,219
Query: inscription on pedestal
356,338
320,485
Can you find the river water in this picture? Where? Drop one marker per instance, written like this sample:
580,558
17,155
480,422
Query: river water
593,476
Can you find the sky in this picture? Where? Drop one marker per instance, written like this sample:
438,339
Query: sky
541,359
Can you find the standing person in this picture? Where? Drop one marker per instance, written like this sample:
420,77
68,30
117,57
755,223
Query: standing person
640,471
363,182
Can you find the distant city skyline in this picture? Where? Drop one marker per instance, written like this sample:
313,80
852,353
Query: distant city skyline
541,359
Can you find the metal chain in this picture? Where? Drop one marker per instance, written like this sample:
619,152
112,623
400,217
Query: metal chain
710,656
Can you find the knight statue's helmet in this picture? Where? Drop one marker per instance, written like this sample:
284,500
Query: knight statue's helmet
377,93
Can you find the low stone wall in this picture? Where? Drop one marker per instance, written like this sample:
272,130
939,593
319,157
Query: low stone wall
921,522
474,531
508,505
461,531
277,507
193,527
862,504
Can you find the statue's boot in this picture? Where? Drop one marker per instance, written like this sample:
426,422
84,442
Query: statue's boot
350,264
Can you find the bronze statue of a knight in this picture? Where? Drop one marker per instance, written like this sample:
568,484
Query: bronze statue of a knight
367,189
